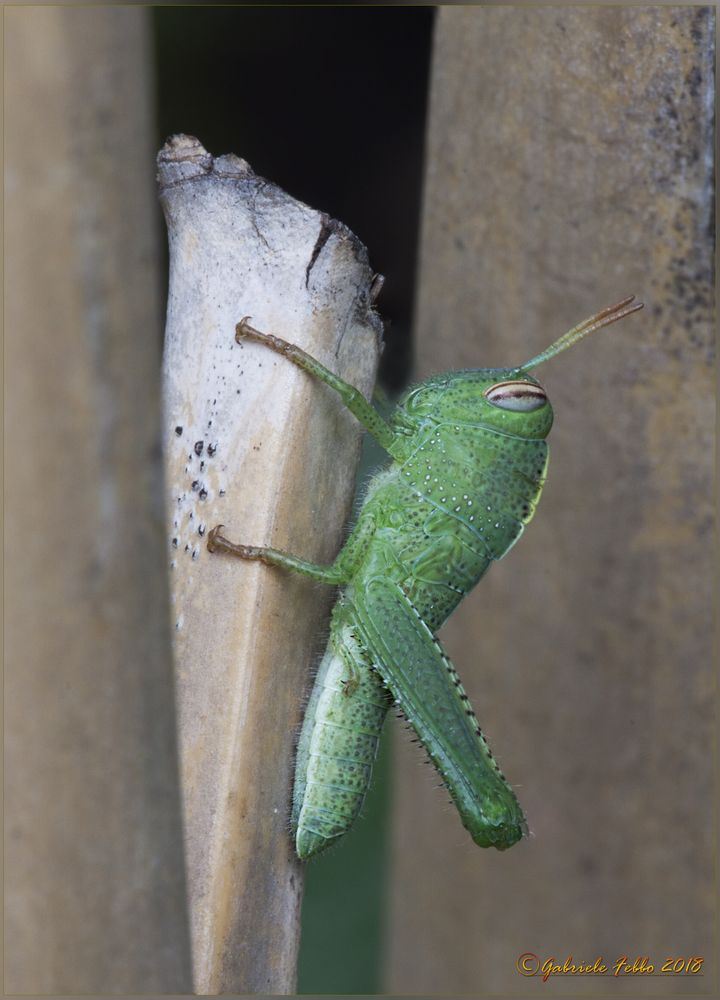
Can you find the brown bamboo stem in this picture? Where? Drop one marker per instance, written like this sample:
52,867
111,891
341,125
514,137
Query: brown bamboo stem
94,874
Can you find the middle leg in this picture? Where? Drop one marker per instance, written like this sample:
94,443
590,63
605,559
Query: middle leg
273,557
340,572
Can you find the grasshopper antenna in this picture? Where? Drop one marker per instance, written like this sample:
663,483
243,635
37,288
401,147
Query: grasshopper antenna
603,318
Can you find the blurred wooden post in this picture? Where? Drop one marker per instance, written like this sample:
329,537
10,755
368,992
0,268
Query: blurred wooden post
255,444
94,877
570,163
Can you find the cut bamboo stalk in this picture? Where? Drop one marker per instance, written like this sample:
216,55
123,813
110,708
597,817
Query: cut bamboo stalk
254,444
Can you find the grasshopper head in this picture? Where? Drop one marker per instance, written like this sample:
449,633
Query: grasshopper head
506,399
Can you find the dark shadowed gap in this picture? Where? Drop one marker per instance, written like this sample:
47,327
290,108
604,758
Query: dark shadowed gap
330,104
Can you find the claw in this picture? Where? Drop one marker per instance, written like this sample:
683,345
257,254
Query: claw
212,537
241,329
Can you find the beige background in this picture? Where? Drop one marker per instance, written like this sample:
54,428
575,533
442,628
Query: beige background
570,159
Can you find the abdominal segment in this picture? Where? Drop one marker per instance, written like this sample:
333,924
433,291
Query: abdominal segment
338,743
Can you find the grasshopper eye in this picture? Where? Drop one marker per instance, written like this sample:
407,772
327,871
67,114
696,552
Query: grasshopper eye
516,395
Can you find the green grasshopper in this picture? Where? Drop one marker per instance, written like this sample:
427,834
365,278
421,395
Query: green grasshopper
469,461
